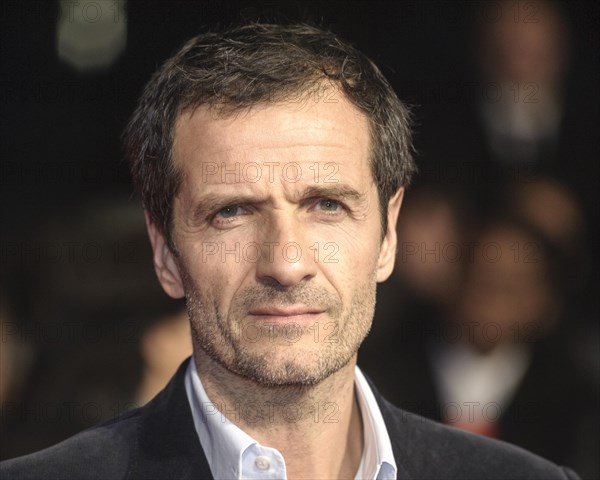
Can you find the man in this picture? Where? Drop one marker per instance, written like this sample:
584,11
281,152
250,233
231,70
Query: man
271,162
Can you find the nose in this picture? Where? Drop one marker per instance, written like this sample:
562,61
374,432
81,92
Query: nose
286,258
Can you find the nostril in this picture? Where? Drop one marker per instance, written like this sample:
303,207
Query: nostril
272,283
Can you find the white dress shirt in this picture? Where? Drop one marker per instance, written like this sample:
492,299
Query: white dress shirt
232,454
479,385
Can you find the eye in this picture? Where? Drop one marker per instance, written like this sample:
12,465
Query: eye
328,205
228,216
229,211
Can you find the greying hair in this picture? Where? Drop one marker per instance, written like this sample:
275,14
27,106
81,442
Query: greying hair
254,64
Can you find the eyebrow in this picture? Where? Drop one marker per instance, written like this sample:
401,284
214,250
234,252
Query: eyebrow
337,191
213,202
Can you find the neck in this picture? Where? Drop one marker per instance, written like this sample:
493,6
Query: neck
318,428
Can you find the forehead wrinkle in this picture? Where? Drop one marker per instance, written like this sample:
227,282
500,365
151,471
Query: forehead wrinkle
206,139
247,152
319,127
240,150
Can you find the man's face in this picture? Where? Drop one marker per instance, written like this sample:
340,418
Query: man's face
278,235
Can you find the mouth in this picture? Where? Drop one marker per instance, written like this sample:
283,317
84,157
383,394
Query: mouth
295,312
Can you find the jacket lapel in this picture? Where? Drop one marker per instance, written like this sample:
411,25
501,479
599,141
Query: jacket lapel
167,444
395,423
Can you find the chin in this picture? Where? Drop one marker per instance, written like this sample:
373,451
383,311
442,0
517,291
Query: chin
287,368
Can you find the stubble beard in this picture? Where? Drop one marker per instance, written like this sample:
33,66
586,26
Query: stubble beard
273,360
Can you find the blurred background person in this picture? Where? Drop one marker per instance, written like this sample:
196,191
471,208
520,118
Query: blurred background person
432,230
552,207
555,209
525,106
523,55
428,275
511,361
433,227
107,338
496,362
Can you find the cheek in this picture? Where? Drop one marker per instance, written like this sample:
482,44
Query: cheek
213,270
351,254
350,264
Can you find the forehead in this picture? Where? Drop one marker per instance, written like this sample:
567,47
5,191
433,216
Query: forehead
307,130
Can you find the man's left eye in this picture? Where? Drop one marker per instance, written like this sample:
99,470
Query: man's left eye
329,205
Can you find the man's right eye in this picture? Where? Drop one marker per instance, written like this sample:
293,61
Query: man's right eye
229,211
228,216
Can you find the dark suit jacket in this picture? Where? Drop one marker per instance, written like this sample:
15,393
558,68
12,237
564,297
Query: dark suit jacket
159,441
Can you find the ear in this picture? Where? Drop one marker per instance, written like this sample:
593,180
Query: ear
164,261
387,254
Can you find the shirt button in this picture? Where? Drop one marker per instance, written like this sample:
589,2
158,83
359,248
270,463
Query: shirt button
262,462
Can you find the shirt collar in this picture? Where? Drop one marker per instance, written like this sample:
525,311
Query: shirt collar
378,458
225,444
222,441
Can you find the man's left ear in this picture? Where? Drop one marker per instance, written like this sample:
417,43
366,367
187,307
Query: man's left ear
387,254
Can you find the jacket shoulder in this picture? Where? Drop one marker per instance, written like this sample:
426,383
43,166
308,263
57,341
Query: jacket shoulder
100,452
428,449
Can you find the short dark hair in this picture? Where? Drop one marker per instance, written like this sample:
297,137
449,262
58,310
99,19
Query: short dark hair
237,68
